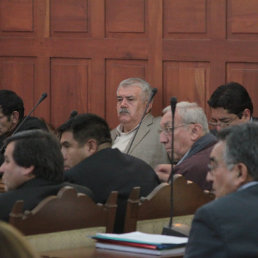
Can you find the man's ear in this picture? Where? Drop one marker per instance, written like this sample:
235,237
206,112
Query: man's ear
196,131
246,115
15,117
150,107
242,175
92,146
28,171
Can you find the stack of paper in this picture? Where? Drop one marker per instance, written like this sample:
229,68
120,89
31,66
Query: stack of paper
138,242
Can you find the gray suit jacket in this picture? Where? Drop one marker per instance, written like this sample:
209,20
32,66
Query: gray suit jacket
146,145
226,227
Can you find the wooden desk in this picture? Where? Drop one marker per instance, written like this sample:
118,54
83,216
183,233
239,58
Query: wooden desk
92,252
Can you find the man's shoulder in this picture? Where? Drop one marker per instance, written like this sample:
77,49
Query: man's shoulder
150,119
232,201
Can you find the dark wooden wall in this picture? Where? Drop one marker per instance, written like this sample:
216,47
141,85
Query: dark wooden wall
79,50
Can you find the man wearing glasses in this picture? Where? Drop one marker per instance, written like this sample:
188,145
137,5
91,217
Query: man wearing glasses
192,143
227,227
230,105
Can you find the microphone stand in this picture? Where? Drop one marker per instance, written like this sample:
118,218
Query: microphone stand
43,96
178,230
154,91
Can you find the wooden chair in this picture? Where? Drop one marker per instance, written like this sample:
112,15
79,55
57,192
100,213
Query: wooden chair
64,221
66,211
188,197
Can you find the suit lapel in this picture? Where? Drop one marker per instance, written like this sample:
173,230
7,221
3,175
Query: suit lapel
143,131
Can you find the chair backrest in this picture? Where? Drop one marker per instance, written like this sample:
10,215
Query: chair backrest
187,198
66,211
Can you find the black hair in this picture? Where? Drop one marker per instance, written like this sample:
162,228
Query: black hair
40,149
241,146
9,102
87,126
233,97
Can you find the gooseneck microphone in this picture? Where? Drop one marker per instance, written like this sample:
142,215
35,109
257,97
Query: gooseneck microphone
173,102
43,96
73,114
170,229
153,93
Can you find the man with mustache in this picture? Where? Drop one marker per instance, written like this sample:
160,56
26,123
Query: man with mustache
132,97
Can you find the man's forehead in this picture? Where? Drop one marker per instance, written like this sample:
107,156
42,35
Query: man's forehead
220,112
132,90
67,136
9,148
217,151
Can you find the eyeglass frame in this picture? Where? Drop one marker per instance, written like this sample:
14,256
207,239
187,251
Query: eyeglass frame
226,124
168,129
216,165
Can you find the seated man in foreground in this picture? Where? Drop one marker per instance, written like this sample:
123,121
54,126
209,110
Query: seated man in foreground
192,143
32,170
86,147
227,227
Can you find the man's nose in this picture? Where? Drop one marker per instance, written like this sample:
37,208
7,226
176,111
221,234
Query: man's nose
63,153
218,127
124,103
209,176
162,137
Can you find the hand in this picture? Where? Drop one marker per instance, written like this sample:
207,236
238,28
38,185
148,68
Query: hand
163,172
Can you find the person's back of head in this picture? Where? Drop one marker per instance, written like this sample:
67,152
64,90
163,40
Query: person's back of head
33,123
13,244
40,149
10,102
242,146
232,97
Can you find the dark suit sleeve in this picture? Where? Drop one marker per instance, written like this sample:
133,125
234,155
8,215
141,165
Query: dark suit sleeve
205,238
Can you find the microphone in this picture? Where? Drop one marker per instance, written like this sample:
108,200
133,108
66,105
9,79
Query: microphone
173,102
153,93
171,230
73,114
43,96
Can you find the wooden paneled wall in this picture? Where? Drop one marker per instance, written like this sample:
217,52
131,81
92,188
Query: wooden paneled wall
79,50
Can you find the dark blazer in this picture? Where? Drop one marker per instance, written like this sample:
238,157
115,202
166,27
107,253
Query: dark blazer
111,170
195,165
226,227
32,192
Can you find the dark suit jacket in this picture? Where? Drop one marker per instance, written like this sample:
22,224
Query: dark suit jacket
226,227
111,170
32,192
195,165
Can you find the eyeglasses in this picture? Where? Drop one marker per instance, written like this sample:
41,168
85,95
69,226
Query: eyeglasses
168,129
225,123
214,164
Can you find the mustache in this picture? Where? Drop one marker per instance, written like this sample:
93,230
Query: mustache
123,110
